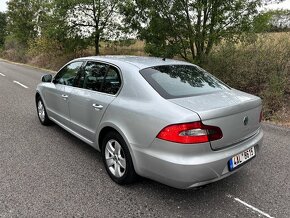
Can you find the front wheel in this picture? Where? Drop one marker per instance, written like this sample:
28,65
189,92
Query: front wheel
117,159
41,112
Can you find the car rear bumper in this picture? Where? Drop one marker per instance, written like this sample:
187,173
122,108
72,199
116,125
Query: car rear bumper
187,166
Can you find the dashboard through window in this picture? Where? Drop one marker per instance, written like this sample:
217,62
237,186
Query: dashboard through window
67,75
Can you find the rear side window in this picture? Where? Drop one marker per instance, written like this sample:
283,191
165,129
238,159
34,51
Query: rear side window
112,81
176,81
94,74
100,77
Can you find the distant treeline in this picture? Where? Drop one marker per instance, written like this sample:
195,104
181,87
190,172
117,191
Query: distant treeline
185,28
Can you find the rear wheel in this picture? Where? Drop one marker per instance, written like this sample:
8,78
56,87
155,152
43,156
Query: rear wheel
117,159
41,112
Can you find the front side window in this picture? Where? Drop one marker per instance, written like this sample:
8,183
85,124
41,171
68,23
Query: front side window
100,77
176,81
67,75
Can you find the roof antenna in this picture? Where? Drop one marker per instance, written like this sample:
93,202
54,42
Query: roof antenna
163,59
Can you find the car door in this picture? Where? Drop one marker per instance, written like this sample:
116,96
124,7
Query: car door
58,93
98,85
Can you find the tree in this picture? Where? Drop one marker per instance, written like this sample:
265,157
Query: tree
262,22
22,19
53,24
3,24
94,18
188,28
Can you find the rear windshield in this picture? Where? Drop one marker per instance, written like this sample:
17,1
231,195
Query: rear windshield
176,81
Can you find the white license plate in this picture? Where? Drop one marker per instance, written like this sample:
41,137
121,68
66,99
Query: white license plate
241,158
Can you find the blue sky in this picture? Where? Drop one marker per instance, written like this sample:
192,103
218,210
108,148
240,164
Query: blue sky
283,5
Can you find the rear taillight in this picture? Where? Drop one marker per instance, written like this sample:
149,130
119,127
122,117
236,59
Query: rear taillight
190,133
261,117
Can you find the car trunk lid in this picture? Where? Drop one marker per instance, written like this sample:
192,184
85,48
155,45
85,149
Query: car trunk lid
236,113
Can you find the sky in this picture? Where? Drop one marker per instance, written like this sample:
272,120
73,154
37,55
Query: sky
283,5
3,6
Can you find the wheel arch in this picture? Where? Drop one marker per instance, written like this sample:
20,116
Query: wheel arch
104,131
37,95
107,127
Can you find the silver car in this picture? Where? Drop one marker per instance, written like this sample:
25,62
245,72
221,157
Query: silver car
163,119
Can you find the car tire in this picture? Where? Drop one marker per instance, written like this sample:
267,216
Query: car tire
117,159
41,112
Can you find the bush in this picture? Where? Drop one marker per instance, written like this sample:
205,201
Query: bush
52,54
260,67
44,53
14,50
274,95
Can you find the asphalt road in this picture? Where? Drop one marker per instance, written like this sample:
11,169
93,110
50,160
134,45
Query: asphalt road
45,171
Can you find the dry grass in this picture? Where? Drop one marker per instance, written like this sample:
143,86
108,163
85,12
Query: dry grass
136,48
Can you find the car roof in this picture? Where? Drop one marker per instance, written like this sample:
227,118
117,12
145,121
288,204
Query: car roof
139,61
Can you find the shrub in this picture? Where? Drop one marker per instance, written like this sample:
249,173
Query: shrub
44,52
14,50
52,54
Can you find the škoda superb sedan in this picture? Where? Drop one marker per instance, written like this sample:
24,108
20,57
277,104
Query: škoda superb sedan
163,119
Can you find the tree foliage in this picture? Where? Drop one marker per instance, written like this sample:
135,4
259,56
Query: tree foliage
22,18
185,28
3,24
94,19
188,28
54,24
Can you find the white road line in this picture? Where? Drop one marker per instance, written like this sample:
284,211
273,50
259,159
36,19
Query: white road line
1,74
250,206
24,86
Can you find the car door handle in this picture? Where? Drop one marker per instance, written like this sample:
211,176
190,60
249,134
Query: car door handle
64,97
98,106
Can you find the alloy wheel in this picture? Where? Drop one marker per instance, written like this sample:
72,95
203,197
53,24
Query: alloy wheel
41,111
115,158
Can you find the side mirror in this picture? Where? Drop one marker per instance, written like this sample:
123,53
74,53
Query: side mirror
46,78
